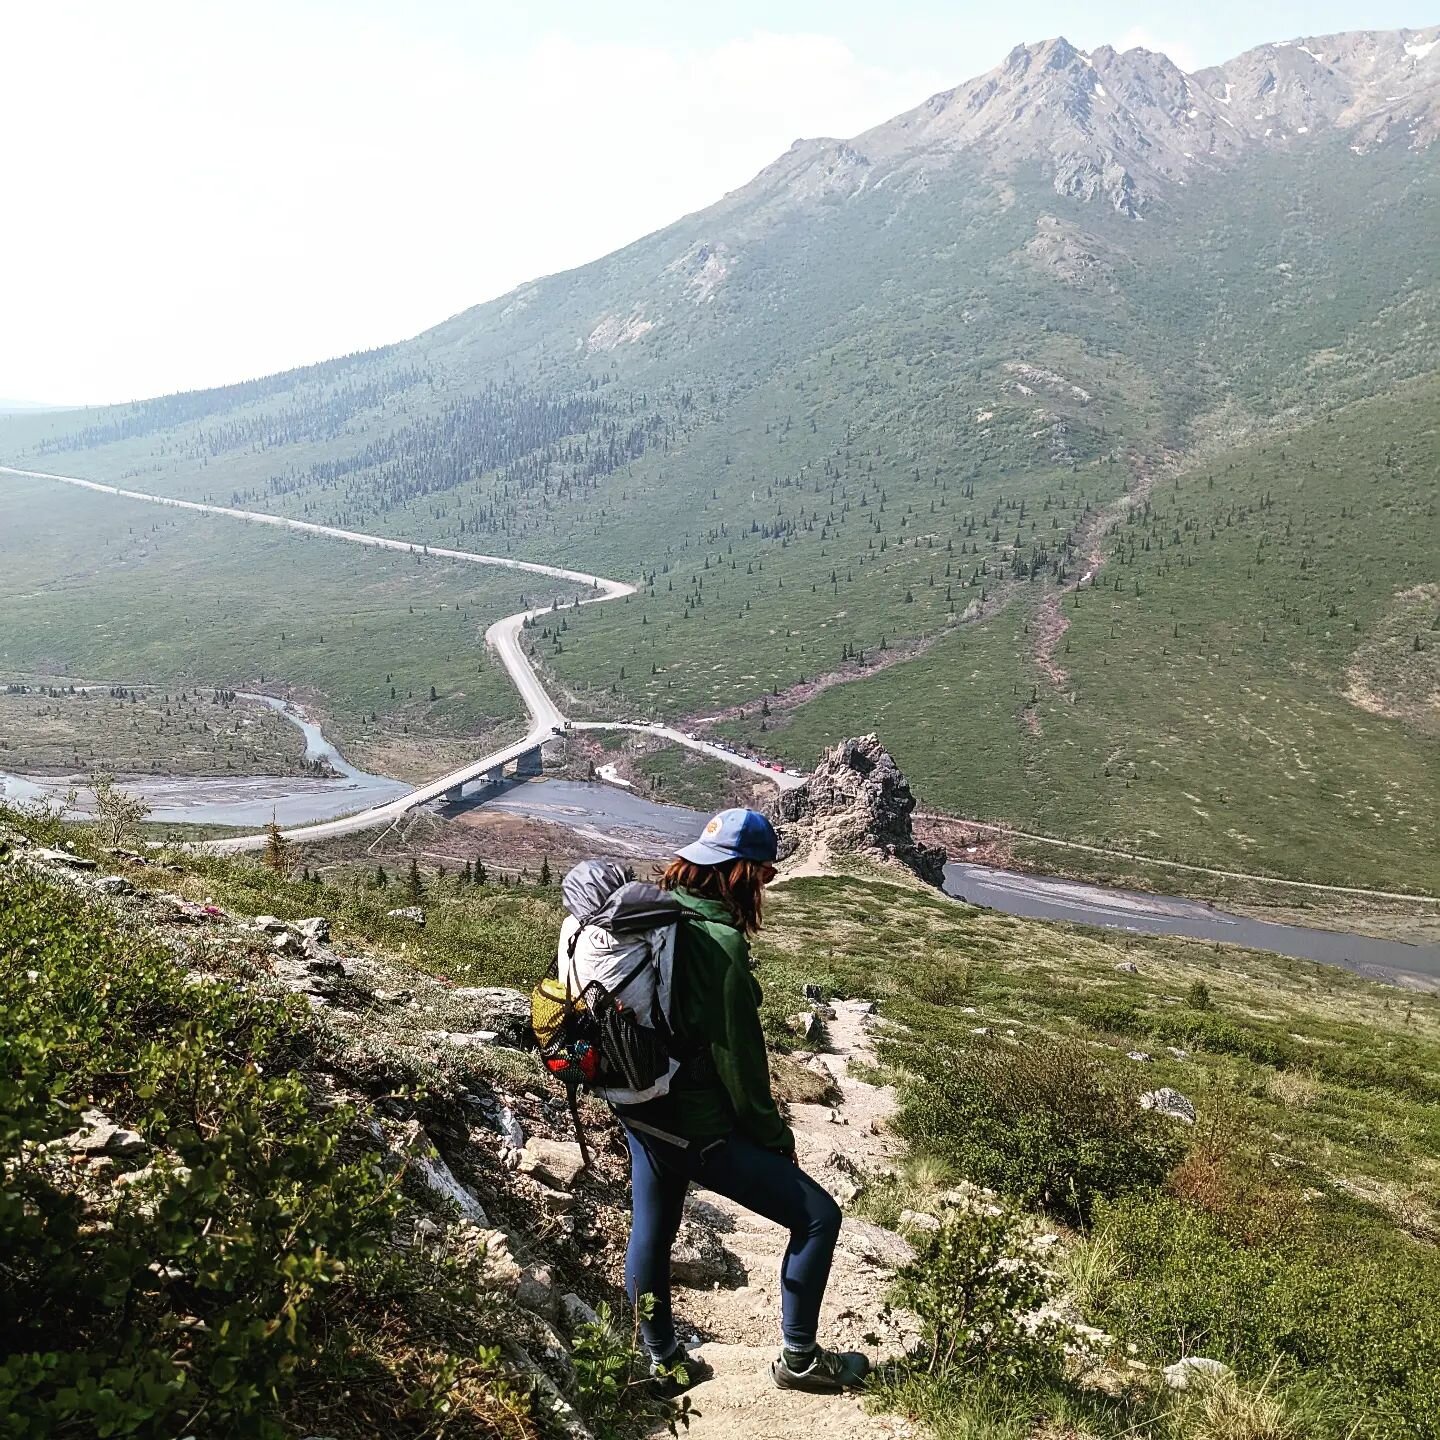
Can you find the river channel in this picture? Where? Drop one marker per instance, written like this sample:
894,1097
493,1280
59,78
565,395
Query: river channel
607,814
249,801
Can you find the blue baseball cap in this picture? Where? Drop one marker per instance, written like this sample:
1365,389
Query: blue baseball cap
734,835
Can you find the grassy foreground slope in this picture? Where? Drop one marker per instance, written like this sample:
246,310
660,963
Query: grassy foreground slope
240,1260
1249,682
1289,1232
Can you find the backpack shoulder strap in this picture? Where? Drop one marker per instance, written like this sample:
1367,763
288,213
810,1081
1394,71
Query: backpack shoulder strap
648,958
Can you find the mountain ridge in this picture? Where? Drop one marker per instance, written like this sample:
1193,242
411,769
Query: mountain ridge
1143,98
879,400
1128,129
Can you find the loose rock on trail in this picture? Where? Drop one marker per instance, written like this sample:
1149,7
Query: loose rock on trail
739,1325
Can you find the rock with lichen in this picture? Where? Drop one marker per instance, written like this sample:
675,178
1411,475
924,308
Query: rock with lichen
857,802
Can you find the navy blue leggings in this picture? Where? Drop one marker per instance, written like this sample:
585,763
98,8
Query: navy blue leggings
761,1180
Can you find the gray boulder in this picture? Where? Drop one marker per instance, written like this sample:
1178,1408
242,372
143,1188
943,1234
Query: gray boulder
806,1026
576,1312
100,1135
536,1291
556,1163
494,1007
699,1258
412,913
440,1180
63,857
508,1123
917,1220
1192,1370
1169,1102
315,930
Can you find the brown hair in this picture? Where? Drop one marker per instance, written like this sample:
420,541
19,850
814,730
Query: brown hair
736,884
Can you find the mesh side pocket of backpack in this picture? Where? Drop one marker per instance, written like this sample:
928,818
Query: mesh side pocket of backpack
567,1033
550,1007
635,1055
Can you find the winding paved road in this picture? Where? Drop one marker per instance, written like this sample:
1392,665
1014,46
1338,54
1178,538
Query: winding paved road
503,637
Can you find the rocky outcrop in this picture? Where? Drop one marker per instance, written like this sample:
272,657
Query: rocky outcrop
856,802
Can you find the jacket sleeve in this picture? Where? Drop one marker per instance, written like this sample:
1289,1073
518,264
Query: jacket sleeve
737,1046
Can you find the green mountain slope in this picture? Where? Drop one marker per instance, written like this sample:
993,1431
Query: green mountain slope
1249,681
890,397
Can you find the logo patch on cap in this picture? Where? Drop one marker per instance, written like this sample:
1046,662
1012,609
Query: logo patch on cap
713,826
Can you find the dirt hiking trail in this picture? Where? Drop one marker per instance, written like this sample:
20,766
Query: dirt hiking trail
739,1325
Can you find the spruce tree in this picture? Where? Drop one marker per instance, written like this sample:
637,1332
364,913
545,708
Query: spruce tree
277,850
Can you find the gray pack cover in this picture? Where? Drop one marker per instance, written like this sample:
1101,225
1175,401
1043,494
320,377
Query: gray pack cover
613,926
596,892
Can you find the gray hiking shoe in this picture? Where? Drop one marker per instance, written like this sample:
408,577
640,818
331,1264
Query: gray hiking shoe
829,1372
679,1373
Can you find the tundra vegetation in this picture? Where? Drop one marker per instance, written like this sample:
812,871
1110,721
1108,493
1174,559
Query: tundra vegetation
59,727
1116,529
1288,1233
254,1277
160,604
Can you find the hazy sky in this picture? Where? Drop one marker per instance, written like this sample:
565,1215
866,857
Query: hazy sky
202,192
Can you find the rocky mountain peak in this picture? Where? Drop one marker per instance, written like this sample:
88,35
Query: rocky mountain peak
856,802
1107,126
1377,83
1122,126
1124,131
1056,54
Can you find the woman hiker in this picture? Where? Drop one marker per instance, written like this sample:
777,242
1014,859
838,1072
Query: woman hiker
719,1126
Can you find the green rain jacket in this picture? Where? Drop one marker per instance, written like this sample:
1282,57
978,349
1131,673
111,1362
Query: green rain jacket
715,1008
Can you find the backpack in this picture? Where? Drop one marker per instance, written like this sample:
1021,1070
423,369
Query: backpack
601,1016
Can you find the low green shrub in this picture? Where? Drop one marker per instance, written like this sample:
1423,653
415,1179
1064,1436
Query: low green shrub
1365,1319
612,1377
1110,1016
1406,1077
989,1367
939,980
1197,997
247,1271
1043,1122
1205,1029
975,1286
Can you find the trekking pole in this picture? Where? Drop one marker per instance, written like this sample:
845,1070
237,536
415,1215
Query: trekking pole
572,1098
